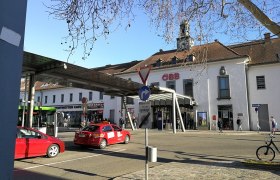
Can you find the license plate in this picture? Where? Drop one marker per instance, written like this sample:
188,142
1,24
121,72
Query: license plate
82,135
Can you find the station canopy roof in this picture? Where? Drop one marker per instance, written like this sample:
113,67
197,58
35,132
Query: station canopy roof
68,75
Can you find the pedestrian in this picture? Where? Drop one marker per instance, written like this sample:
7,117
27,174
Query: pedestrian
239,124
121,121
135,122
220,125
273,125
258,126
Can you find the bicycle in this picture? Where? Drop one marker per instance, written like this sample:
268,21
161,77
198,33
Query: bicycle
266,152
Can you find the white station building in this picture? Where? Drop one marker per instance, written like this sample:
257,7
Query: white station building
215,82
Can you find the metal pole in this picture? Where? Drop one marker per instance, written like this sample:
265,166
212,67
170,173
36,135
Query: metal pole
146,149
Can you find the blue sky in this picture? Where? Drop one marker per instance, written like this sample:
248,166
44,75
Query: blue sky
43,36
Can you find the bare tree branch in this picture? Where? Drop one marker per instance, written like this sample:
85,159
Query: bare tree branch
88,20
260,16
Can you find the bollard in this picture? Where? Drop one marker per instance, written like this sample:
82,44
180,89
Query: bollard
152,154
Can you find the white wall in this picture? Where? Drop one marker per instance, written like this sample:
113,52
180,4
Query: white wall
202,94
270,95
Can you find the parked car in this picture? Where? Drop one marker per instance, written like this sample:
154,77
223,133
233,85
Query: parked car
101,135
31,143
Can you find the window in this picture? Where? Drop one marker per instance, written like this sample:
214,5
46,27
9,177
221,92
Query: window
112,97
129,100
171,85
53,100
71,97
155,84
260,82
46,99
188,87
158,63
80,96
174,60
38,99
101,95
62,98
224,91
107,129
90,96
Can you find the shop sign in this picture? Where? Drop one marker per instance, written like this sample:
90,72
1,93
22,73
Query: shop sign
171,76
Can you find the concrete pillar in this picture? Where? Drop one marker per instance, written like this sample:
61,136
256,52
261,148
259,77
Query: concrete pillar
12,26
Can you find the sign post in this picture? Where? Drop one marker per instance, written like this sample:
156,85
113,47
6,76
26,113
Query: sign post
144,94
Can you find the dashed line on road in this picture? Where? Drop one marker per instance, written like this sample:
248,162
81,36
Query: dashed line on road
70,160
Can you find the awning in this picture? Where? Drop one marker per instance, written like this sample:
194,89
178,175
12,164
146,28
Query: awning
161,96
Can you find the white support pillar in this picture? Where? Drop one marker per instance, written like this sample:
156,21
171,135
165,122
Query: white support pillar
180,116
31,95
174,112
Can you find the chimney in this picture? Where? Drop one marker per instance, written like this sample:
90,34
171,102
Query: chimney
267,37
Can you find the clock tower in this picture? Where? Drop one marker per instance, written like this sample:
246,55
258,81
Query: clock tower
184,41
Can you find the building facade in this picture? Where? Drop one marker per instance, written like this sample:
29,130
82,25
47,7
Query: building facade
226,82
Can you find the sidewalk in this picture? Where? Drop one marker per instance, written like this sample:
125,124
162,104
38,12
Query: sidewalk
215,170
190,171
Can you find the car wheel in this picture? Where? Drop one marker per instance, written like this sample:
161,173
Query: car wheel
126,139
103,144
53,151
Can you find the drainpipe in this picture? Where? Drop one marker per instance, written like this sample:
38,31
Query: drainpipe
248,94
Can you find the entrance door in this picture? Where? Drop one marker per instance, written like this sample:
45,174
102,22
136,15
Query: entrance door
225,113
263,117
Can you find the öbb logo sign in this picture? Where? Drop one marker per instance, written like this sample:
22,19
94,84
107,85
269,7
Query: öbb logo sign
171,76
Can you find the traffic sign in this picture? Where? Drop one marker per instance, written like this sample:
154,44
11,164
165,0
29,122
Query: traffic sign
144,73
144,93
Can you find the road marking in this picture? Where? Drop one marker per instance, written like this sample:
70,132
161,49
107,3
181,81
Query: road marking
70,160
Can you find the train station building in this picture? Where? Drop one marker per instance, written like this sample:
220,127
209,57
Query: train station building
212,82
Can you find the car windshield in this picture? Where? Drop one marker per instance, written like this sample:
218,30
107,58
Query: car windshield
91,128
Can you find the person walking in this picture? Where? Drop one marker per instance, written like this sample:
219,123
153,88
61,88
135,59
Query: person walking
239,124
258,126
220,125
273,125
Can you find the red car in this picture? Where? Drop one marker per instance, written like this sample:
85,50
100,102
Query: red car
101,135
32,143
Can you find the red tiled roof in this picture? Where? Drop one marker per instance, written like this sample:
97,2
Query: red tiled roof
261,51
215,51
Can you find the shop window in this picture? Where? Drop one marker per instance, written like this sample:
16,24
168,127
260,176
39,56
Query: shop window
223,89
260,82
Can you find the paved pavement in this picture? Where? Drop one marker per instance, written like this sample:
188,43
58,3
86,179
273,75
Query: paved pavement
210,170
225,170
